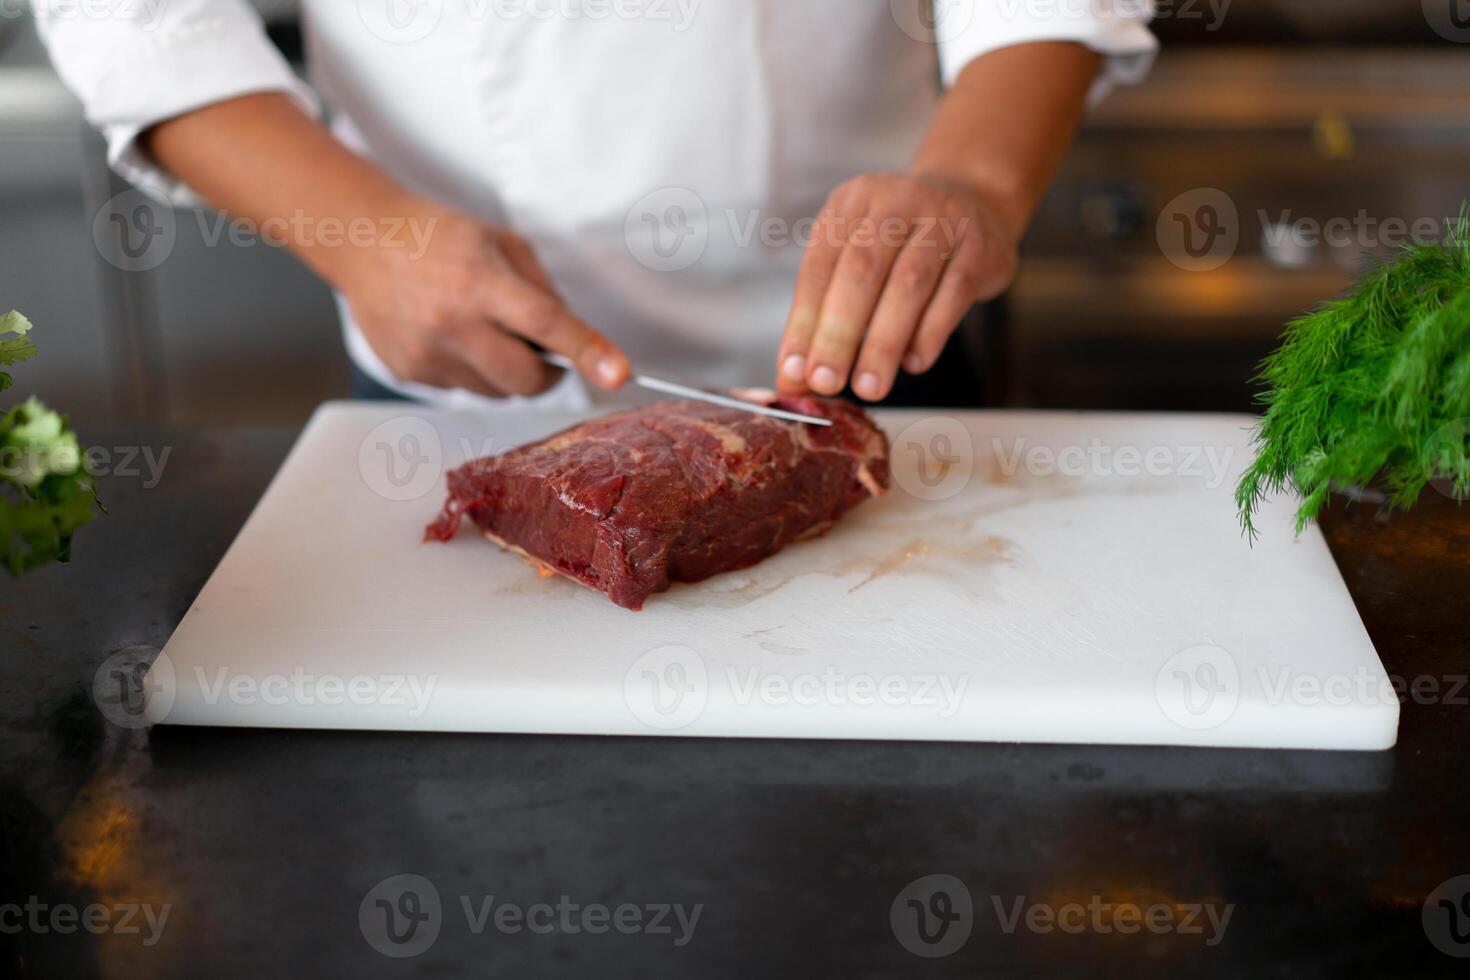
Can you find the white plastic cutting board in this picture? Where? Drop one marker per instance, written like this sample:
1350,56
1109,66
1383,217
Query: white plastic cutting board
1050,577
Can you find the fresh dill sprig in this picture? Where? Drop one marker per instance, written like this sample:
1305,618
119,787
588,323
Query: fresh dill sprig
1375,384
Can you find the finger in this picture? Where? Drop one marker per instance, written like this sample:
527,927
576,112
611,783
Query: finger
817,266
851,298
536,315
445,369
907,294
502,361
957,292
522,258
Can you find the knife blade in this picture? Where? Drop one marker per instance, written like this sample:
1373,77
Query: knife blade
697,394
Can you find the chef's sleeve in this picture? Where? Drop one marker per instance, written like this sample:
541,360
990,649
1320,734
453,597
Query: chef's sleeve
1116,29
134,68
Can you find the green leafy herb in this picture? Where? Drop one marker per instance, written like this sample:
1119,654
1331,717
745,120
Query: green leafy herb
17,348
45,494
1375,385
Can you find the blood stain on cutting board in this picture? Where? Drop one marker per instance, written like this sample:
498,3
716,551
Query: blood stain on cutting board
960,549
922,555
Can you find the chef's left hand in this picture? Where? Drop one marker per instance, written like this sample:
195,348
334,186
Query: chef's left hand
895,262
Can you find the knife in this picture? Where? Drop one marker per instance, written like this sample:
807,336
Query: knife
697,394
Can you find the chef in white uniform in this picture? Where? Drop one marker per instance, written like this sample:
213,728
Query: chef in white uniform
731,191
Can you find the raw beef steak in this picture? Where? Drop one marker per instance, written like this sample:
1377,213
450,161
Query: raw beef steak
674,492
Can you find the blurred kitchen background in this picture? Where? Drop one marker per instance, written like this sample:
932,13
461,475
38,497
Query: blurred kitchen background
1298,110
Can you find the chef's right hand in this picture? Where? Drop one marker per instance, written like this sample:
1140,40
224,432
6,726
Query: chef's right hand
459,306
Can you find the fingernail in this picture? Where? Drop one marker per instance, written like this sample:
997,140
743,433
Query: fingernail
867,385
610,369
825,378
794,367
913,364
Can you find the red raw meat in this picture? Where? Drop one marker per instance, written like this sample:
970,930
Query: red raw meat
673,492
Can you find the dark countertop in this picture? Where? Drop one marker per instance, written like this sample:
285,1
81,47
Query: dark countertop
263,845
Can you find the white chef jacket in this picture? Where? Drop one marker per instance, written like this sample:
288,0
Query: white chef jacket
664,156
